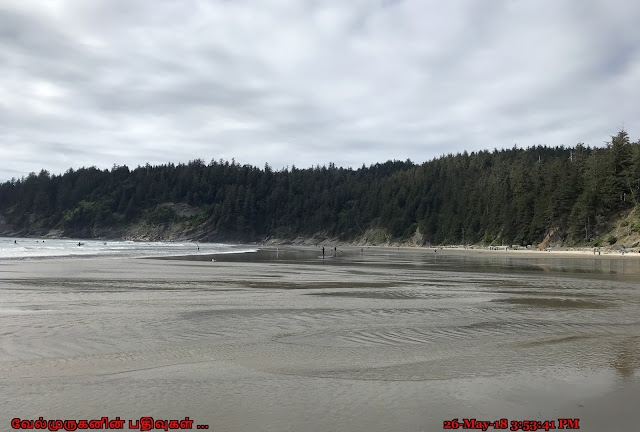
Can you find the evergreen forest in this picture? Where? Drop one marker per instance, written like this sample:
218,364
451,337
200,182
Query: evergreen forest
514,196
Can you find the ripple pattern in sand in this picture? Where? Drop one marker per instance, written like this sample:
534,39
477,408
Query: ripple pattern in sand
472,334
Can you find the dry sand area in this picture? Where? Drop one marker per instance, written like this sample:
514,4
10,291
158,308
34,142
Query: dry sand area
283,340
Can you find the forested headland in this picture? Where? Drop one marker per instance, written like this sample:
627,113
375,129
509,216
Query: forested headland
571,196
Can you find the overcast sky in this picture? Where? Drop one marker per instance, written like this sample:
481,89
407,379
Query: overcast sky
295,82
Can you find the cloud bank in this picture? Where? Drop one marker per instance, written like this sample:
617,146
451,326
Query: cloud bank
308,82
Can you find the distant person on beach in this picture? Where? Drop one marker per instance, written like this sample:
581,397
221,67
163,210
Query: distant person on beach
322,251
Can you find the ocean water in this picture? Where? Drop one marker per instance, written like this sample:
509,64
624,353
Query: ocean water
30,248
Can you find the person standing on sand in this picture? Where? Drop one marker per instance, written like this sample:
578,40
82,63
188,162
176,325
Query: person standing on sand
322,252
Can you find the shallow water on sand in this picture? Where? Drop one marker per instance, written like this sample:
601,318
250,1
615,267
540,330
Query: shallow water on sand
284,340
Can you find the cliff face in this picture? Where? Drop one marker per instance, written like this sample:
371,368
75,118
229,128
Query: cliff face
625,230
624,233
8,230
147,232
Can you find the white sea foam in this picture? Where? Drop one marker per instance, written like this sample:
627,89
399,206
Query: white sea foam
24,248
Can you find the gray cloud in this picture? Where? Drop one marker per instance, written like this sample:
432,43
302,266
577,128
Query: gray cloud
308,82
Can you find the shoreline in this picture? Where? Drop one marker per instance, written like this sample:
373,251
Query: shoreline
334,242
289,246
560,252
564,252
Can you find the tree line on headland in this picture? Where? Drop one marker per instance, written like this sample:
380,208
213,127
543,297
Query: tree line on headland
513,196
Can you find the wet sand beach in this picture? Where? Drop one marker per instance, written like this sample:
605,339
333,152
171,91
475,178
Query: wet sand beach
283,340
